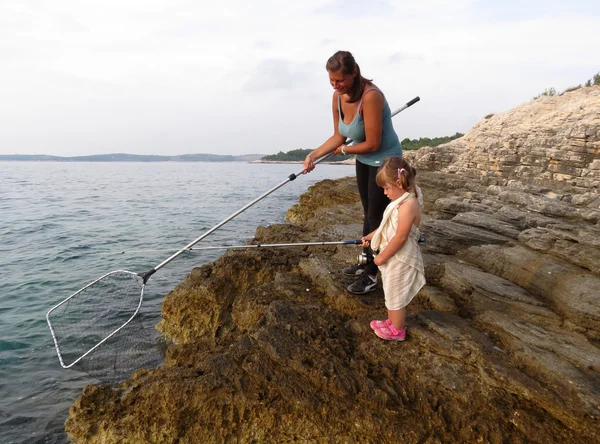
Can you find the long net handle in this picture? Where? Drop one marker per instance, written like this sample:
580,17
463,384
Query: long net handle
145,276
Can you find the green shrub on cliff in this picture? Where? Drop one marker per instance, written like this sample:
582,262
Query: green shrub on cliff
595,80
547,92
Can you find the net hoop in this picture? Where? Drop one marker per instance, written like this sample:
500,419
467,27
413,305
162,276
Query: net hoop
106,338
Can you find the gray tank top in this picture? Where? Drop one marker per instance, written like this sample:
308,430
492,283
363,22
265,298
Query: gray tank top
355,130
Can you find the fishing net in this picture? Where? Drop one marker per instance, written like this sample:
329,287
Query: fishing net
105,311
93,314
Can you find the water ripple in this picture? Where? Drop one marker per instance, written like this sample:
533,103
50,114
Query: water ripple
55,215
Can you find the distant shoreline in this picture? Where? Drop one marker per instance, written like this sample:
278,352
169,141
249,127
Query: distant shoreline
123,157
130,158
298,162
4,159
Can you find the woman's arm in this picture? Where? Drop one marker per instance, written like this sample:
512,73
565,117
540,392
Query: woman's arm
407,214
330,144
373,103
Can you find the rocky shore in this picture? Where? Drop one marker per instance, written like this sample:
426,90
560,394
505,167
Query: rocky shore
503,343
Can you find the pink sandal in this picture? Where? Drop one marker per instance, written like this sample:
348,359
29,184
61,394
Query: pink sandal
380,324
391,333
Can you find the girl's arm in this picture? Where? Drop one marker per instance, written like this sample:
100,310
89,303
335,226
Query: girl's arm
373,103
407,214
330,144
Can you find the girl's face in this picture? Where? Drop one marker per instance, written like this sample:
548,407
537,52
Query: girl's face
393,190
342,83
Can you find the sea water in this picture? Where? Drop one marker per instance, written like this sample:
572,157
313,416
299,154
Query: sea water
63,224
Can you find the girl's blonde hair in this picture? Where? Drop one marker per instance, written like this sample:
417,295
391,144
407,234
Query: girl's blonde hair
396,171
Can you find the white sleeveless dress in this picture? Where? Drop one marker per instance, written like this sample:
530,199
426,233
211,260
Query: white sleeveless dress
403,274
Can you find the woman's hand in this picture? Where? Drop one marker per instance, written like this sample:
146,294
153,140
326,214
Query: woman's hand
309,164
366,242
338,150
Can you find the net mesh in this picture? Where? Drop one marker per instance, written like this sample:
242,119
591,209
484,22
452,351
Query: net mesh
94,313
107,308
132,348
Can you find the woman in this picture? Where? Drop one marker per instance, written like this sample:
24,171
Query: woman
361,113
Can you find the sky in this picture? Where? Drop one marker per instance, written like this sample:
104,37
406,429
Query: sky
168,77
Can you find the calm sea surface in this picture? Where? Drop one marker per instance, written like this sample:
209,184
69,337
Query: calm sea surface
57,221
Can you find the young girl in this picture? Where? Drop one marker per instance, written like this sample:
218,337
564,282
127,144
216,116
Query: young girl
399,258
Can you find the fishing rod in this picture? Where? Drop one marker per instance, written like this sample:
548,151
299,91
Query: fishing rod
122,286
145,276
238,247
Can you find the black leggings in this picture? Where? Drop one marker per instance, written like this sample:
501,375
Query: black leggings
374,202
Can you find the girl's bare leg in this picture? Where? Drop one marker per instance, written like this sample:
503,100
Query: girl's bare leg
398,318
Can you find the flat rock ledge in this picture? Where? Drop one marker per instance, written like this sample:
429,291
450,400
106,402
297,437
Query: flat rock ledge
503,343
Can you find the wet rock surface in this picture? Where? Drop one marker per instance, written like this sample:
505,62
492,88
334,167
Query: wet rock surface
503,342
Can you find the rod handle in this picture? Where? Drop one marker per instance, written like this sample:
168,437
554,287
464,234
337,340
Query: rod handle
413,101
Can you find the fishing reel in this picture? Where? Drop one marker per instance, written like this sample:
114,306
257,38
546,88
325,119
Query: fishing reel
364,258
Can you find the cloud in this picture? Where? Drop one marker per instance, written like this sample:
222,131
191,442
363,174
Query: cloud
356,8
263,44
401,57
279,74
153,76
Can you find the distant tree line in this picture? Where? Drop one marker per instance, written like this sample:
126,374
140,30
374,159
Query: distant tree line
415,144
407,144
296,155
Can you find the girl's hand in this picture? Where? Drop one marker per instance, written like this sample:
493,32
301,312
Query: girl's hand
309,164
366,242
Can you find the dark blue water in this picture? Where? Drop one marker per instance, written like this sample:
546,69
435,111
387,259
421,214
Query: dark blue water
55,219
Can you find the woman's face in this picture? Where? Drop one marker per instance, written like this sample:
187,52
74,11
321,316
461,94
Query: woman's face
342,83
